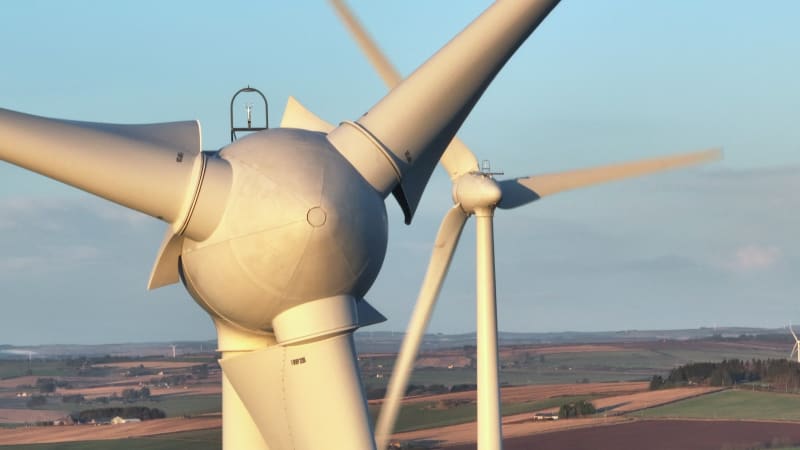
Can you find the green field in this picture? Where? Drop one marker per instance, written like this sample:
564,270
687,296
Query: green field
424,415
195,440
172,405
595,366
40,368
180,405
732,404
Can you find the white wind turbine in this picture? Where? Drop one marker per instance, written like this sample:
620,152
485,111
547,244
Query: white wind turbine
279,235
796,347
475,192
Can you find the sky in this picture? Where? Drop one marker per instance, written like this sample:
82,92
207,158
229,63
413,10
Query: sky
598,82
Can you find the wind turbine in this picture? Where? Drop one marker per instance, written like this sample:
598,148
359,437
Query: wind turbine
796,347
279,235
476,192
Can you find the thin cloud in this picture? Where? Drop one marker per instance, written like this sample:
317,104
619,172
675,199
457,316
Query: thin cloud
753,257
51,259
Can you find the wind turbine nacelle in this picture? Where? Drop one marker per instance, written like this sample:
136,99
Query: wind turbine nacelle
300,225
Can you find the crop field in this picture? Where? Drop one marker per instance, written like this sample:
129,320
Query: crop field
180,405
732,404
195,440
662,435
60,435
459,407
42,368
424,415
538,364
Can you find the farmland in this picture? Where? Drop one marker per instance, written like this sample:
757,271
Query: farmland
662,435
733,404
209,439
537,377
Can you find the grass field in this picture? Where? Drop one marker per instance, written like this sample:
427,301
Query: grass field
176,406
423,415
732,404
634,363
39,368
195,440
172,405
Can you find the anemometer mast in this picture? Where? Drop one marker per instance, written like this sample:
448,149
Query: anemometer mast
249,109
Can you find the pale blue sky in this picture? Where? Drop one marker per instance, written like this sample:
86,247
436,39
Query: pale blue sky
598,82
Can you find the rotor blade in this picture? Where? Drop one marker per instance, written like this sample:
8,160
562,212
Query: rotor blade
445,245
385,69
490,434
398,142
281,387
457,159
794,335
165,270
298,116
795,349
150,168
521,191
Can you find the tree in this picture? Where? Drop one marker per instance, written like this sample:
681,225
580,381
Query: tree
576,409
657,382
200,371
37,400
73,398
46,385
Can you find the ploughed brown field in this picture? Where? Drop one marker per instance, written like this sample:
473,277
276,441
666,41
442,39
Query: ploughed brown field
660,435
523,425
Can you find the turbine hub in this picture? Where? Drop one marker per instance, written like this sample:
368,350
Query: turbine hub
477,192
301,225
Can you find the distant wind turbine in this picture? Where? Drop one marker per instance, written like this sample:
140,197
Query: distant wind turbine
796,347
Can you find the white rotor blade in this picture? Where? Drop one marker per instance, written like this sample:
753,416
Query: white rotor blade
399,141
298,116
794,349
385,69
521,191
794,335
165,269
457,159
446,241
281,387
149,168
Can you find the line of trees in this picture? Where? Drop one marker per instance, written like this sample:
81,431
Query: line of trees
374,393
134,395
576,409
49,385
128,412
780,372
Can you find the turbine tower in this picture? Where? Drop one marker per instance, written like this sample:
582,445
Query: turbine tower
476,192
796,347
280,235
